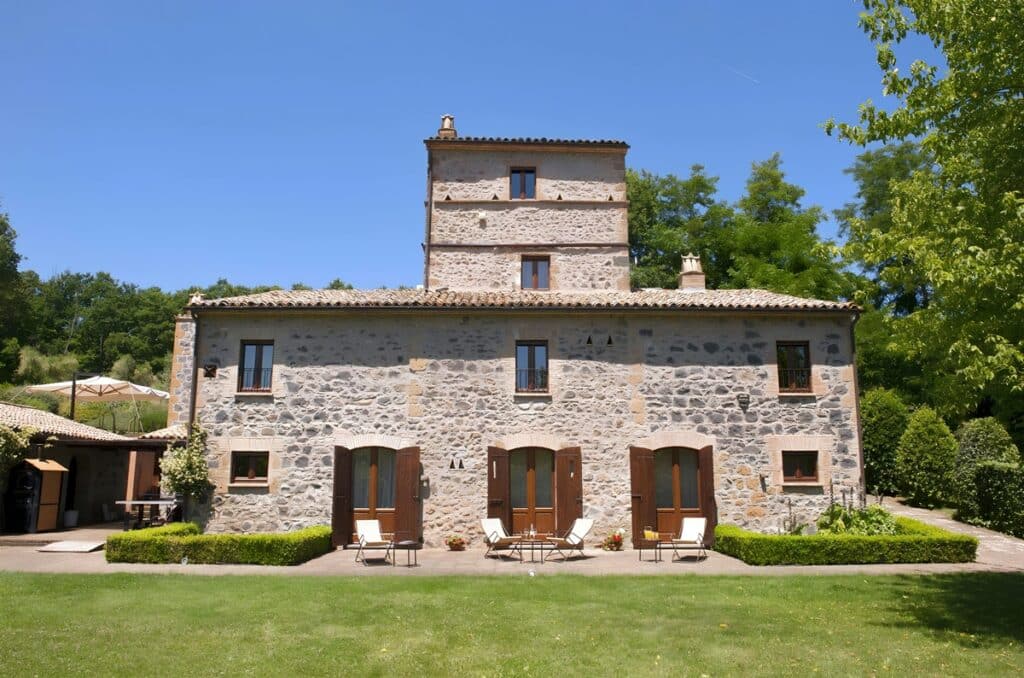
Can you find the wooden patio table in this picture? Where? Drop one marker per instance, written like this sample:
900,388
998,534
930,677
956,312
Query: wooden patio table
141,504
536,542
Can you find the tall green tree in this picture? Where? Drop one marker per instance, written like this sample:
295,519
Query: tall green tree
958,226
14,314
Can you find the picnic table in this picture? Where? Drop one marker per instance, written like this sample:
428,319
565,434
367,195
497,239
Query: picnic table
141,504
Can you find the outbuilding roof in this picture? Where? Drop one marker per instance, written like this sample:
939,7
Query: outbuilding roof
174,432
22,417
443,299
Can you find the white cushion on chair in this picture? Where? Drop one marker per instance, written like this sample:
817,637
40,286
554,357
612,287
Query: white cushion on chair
692,531
368,532
493,529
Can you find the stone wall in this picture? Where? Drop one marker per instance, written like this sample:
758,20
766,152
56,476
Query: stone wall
528,222
462,174
498,268
445,382
182,365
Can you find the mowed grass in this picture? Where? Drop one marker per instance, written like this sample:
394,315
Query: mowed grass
970,624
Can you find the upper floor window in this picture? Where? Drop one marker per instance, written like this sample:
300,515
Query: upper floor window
799,466
794,361
535,273
257,366
523,183
531,366
249,467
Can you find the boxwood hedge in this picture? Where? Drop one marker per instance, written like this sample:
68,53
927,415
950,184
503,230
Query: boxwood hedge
171,543
914,542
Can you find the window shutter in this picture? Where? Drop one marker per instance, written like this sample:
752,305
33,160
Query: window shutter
408,507
641,475
706,461
499,503
341,514
568,487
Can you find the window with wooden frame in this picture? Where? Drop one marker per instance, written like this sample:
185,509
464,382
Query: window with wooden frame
250,467
522,183
794,363
256,366
536,273
799,466
531,367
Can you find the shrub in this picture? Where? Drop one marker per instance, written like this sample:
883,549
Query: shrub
914,542
884,418
979,440
838,519
925,459
999,489
172,543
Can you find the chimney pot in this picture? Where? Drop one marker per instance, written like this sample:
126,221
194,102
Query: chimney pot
447,130
691,276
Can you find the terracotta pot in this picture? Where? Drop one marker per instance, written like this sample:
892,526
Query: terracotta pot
457,547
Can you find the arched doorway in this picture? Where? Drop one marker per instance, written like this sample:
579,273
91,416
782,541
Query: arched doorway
535,486
377,483
669,484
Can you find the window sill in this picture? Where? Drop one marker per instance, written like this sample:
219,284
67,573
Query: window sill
802,483
535,395
249,486
254,394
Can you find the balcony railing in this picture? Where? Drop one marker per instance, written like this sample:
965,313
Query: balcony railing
796,380
531,381
255,380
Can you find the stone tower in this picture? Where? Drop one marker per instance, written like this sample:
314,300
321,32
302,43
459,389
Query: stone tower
508,214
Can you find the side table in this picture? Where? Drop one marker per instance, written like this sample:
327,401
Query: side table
409,546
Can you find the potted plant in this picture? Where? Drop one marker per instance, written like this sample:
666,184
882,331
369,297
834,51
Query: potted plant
456,542
613,542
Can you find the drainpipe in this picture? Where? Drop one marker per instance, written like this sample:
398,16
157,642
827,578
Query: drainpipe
856,400
429,202
194,387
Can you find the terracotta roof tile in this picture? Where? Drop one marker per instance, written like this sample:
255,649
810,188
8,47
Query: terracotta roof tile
537,141
21,417
175,432
682,300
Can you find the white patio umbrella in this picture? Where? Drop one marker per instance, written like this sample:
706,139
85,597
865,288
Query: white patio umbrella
100,389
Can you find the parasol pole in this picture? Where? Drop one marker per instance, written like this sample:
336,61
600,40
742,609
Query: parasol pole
74,388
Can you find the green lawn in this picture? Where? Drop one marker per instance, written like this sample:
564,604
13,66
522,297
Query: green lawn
969,624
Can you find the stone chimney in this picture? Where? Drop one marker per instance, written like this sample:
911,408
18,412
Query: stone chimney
447,130
692,275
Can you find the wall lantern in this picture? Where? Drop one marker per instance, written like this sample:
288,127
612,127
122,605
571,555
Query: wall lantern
743,399
209,370
590,341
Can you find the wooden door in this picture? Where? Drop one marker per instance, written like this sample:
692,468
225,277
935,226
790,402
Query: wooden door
532,489
498,504
641,476
677,488
341,513
408,513
374,486
568,488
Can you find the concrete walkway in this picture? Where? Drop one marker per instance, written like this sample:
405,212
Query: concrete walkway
996,550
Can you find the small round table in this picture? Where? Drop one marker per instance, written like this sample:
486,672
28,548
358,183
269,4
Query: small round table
407,546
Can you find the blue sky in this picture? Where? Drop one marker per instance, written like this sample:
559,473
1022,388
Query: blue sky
270,143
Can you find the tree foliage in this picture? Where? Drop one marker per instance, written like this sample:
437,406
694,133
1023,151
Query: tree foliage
957,226
14,445
184,470
978,441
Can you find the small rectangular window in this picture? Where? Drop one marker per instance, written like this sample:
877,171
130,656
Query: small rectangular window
249,467
531,366
800,466
256,366
523,183
536,273
794,362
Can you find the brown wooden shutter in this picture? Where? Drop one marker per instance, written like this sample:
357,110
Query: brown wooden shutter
568,487
499,500
706,462
408,508
341,513
641,475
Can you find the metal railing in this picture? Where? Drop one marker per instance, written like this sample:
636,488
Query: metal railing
797,380
256,380
531,381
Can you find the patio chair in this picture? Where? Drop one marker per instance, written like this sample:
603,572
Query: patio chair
691,537
496,538
573,539
370,537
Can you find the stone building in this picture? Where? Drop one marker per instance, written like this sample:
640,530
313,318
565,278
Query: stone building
526,380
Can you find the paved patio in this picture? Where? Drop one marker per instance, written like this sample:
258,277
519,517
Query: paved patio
996,553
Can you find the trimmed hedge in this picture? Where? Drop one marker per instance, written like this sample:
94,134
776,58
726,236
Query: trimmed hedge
999,490
915,542
171,543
